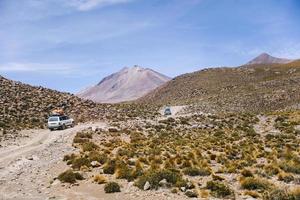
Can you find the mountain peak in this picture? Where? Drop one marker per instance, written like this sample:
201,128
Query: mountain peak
129,83
265,58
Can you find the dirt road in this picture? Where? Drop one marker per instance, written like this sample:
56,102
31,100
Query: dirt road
27,170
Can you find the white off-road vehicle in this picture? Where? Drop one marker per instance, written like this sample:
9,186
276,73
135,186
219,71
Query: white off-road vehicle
60,122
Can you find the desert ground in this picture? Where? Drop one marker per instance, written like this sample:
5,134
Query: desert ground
30,165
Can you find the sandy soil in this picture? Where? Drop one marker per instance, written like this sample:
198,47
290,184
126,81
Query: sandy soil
27,168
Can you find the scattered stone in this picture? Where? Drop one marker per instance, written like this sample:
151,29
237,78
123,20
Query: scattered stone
95,164
147,186
56,182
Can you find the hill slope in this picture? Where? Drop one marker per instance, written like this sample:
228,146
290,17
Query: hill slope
125,85
265,58
253,88
26,106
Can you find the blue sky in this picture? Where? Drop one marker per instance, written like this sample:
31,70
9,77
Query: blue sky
70,44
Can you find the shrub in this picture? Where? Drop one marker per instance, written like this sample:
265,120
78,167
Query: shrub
124,172
286,177
278,194
96,156
271,169
112,187
196,171
251,183
79,162
219,189
290,166
69,157
89,146
84,135
191,193
80,140
69,176
109,167
100,179
246,173
154,177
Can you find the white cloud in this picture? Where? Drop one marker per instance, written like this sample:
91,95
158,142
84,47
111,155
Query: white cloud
85,5
37,67
64,69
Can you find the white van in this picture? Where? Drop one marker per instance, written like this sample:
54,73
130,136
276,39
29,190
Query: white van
60,122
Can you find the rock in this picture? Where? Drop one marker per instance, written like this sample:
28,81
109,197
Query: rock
95,164
183,189
56,182
163,183
147,186
29,158
84,175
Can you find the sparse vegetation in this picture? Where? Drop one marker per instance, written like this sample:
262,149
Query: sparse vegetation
69,176
112,187
169,153
218,189
251,183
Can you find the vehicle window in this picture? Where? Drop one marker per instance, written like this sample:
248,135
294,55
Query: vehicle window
62,118
67,118
53,119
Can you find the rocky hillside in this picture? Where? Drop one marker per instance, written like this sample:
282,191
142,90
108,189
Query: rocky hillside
252,88
265,58
25,106
125,85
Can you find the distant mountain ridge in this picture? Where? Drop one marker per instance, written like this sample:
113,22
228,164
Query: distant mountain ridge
126,85
265,58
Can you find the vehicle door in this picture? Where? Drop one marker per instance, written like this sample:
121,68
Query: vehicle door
68,121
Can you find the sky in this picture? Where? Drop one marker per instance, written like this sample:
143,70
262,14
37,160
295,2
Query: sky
68,45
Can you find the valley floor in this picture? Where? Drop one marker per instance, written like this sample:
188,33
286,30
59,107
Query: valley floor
29,166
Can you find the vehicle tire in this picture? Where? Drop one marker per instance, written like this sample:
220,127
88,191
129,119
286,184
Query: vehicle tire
64,127
51,129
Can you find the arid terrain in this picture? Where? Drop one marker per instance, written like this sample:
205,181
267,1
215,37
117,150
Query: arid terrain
182,156
233,133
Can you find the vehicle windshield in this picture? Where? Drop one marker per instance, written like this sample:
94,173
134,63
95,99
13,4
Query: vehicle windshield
53,119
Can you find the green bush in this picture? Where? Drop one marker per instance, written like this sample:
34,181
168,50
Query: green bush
112,187
89,146
154,177
251,183
79,162
69,176
219,189
196,171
